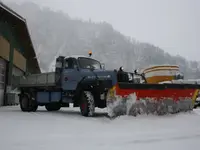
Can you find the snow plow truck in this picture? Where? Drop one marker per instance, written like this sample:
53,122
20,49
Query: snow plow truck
84,82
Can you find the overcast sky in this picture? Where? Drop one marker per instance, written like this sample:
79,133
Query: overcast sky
173,25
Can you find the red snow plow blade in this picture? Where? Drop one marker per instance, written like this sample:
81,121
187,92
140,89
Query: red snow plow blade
158,91
134,99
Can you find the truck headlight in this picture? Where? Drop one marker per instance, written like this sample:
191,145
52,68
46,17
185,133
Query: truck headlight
130,77
112,92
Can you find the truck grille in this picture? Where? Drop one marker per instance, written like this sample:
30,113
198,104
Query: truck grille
105,83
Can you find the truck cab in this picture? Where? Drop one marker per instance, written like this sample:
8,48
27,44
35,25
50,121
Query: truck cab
71,70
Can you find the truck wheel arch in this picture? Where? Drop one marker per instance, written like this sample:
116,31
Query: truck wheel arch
81,87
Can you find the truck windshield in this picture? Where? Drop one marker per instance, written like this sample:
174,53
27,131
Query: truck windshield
87,63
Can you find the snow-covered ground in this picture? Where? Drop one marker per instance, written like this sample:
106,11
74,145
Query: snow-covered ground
68,130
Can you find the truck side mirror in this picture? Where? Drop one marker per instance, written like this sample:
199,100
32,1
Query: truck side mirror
136,71
60,62
121,68
103,66
58,69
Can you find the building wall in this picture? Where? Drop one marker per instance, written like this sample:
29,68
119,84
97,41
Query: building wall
4,48
2,79
12,52
4,56
8,33
19,61
15,73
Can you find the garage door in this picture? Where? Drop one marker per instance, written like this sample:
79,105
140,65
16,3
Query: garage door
2,80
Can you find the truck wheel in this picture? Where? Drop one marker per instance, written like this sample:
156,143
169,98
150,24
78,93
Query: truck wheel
24,103
27,105
52,107
195,106
87,104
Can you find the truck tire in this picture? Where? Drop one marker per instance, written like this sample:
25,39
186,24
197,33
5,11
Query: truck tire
27,105
52,107
87,104
24,103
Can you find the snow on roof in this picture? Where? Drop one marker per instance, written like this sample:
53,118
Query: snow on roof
9,10
163,65
181,81
77,56
150,67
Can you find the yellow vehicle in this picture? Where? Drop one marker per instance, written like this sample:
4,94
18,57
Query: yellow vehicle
162,73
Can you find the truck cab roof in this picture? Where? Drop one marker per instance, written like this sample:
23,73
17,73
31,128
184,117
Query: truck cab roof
77,56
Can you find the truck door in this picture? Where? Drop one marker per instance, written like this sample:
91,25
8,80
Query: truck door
71,75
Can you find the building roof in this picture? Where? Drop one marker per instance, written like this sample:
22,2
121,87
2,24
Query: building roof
2,5
20,27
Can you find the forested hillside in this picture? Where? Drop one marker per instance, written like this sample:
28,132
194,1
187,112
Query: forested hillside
55,33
